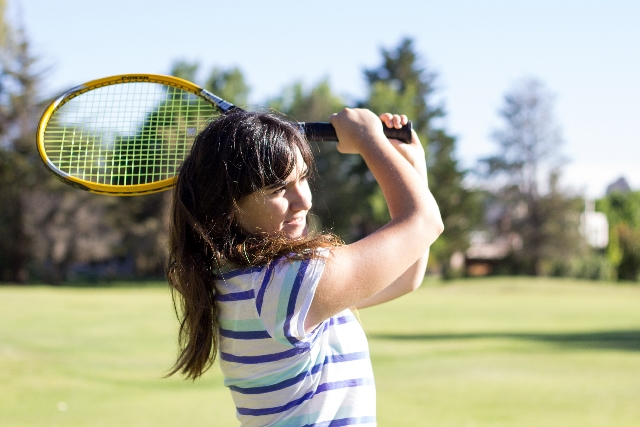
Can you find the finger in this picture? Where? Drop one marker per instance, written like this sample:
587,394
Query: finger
387,119
397,121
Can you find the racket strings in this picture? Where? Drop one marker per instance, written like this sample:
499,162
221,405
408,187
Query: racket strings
125,134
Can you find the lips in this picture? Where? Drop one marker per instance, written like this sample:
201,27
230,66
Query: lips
295,221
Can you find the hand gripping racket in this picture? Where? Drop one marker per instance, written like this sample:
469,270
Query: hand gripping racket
127,135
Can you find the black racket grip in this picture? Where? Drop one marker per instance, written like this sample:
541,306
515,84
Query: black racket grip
318,131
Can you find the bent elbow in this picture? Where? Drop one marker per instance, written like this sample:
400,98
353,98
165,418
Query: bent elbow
433,220
417,284
434,229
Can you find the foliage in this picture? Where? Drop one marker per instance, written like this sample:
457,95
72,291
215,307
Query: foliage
340,197
623,212
530,139
400,84
19,165
546,221
142,222
36,236
592,265
56,233
228,84
49,231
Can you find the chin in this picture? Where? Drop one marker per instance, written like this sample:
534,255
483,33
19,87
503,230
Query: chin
297,232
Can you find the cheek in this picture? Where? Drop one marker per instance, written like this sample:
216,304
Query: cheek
248,213
307,197
261,215
305,193
308,193
279,208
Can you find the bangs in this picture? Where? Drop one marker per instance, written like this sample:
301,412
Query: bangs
268,154
275,161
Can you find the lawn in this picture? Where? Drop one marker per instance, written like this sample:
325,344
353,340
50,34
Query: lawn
490,352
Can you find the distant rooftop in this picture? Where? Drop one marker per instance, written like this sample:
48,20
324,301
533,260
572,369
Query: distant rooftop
620,185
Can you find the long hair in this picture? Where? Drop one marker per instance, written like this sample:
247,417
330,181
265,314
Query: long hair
234,156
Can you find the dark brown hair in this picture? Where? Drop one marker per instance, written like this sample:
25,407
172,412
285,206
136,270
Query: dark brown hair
234,156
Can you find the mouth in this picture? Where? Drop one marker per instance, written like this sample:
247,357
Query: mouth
295,221
295,227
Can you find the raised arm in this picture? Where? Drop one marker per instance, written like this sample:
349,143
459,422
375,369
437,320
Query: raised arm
411,279
356,272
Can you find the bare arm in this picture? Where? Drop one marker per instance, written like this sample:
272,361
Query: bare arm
411,279
356,272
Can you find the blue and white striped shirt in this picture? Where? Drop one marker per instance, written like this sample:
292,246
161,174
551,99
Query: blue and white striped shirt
278,374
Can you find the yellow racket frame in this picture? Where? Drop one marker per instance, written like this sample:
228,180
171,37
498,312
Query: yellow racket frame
109,189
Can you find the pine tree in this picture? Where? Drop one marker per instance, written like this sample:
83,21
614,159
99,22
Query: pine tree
19,167
400,84
338,197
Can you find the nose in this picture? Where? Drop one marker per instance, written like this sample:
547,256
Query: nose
300,197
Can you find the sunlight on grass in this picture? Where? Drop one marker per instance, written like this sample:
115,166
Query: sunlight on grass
491,352
508,352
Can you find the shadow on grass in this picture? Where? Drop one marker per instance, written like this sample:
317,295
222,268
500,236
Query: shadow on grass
601,340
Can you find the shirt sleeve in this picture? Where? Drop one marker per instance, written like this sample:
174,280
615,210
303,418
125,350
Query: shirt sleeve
284,292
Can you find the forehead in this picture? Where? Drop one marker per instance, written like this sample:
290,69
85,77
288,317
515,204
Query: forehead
296,170
300,162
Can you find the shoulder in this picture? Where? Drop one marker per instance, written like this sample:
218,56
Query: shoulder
281,264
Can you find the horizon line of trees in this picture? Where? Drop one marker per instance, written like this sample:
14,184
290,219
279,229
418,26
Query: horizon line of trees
53,233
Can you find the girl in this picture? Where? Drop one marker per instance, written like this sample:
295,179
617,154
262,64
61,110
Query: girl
271,298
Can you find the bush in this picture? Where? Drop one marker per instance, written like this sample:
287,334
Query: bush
592,266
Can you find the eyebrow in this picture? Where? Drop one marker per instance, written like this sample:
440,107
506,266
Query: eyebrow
305,173
275,184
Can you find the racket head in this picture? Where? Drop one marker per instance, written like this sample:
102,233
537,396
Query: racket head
124,135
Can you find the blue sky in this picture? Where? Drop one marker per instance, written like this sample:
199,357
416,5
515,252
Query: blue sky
586,52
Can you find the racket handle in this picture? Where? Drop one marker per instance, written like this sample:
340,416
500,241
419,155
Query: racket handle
318,131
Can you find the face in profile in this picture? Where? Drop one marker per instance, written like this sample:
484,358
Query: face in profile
278,208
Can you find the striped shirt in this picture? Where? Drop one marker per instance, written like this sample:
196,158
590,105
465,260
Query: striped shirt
278,374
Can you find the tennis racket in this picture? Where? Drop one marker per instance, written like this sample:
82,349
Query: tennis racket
127,135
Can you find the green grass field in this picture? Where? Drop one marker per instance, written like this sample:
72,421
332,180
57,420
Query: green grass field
490,352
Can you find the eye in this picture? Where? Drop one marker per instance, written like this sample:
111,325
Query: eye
304,177
279,190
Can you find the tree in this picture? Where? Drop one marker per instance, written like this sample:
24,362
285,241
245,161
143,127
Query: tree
528,158
623,213
19,167
401,84
143,221
228,85
45,226
336,198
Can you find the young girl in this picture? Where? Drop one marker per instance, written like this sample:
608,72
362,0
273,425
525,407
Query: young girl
273,300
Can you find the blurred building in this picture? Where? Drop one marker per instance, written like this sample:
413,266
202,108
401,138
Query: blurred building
488,249
485,252
594,226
